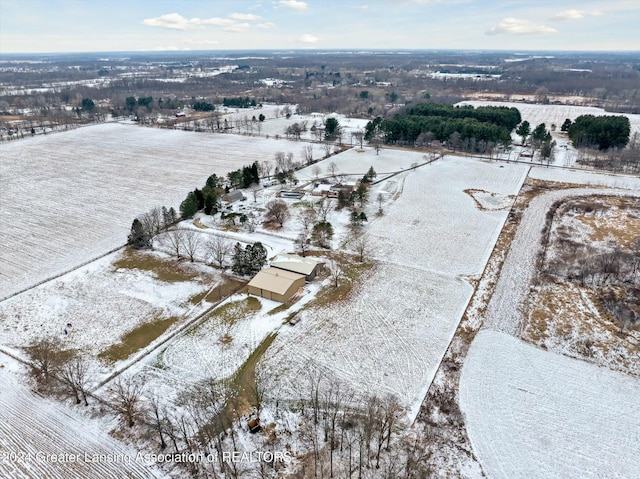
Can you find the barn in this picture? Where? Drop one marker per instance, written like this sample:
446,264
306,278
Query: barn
276,284
297,264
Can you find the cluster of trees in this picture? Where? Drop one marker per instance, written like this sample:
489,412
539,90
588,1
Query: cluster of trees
244,177
202,105
58,370
446,122
132,103
602,132
250,260
238,102
147,226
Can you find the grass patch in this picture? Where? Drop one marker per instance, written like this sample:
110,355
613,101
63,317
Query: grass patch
352,270
227,288
278,309
169,271
231,313
136,339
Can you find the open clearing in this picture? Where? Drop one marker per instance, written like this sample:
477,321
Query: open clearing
70,197
532,413
100,303
392,331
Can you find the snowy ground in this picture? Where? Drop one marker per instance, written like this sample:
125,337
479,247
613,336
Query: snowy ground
504,309
70,197
101,303
532,413
588,178
391,334
42,438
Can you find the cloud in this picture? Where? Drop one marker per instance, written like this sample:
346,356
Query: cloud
236,22
514,26
309,39
569,15
574,15
266,25
245,17
237,27
173,21
295,4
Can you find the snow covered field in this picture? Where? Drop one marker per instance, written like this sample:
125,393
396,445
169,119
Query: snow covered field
41,438
391,334
101,303
504,309
70,197
587,178
532,413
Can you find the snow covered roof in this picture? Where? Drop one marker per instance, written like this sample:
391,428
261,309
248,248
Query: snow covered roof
274,280
295,263
233,196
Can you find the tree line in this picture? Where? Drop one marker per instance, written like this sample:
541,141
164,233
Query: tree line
484,124
602,132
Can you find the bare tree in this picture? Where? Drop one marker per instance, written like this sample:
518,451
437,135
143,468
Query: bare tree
361,245
324,206
316,170
175,238
277,211
75,375
157,417
307,154
327,149
335,272
192,241
46,357
218,248
266,167
332,168
125,396
281,161
359,136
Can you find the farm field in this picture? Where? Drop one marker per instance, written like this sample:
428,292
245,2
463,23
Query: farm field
533,413
504,310
548,114
391,333
587,178
93,307
35,431
91,183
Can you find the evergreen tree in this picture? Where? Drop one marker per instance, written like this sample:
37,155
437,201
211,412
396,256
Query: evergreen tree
189,206
138,238
239,260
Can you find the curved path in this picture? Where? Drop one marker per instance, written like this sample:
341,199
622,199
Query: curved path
504,309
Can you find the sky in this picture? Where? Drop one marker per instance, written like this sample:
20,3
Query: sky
43,26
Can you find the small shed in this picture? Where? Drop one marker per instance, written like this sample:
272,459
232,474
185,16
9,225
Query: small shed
276,284
297,264
233,196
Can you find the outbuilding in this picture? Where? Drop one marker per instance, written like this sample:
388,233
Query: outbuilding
233,196
297,264
276,284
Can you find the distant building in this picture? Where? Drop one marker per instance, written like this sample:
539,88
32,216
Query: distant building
233,196
297,264
276,284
